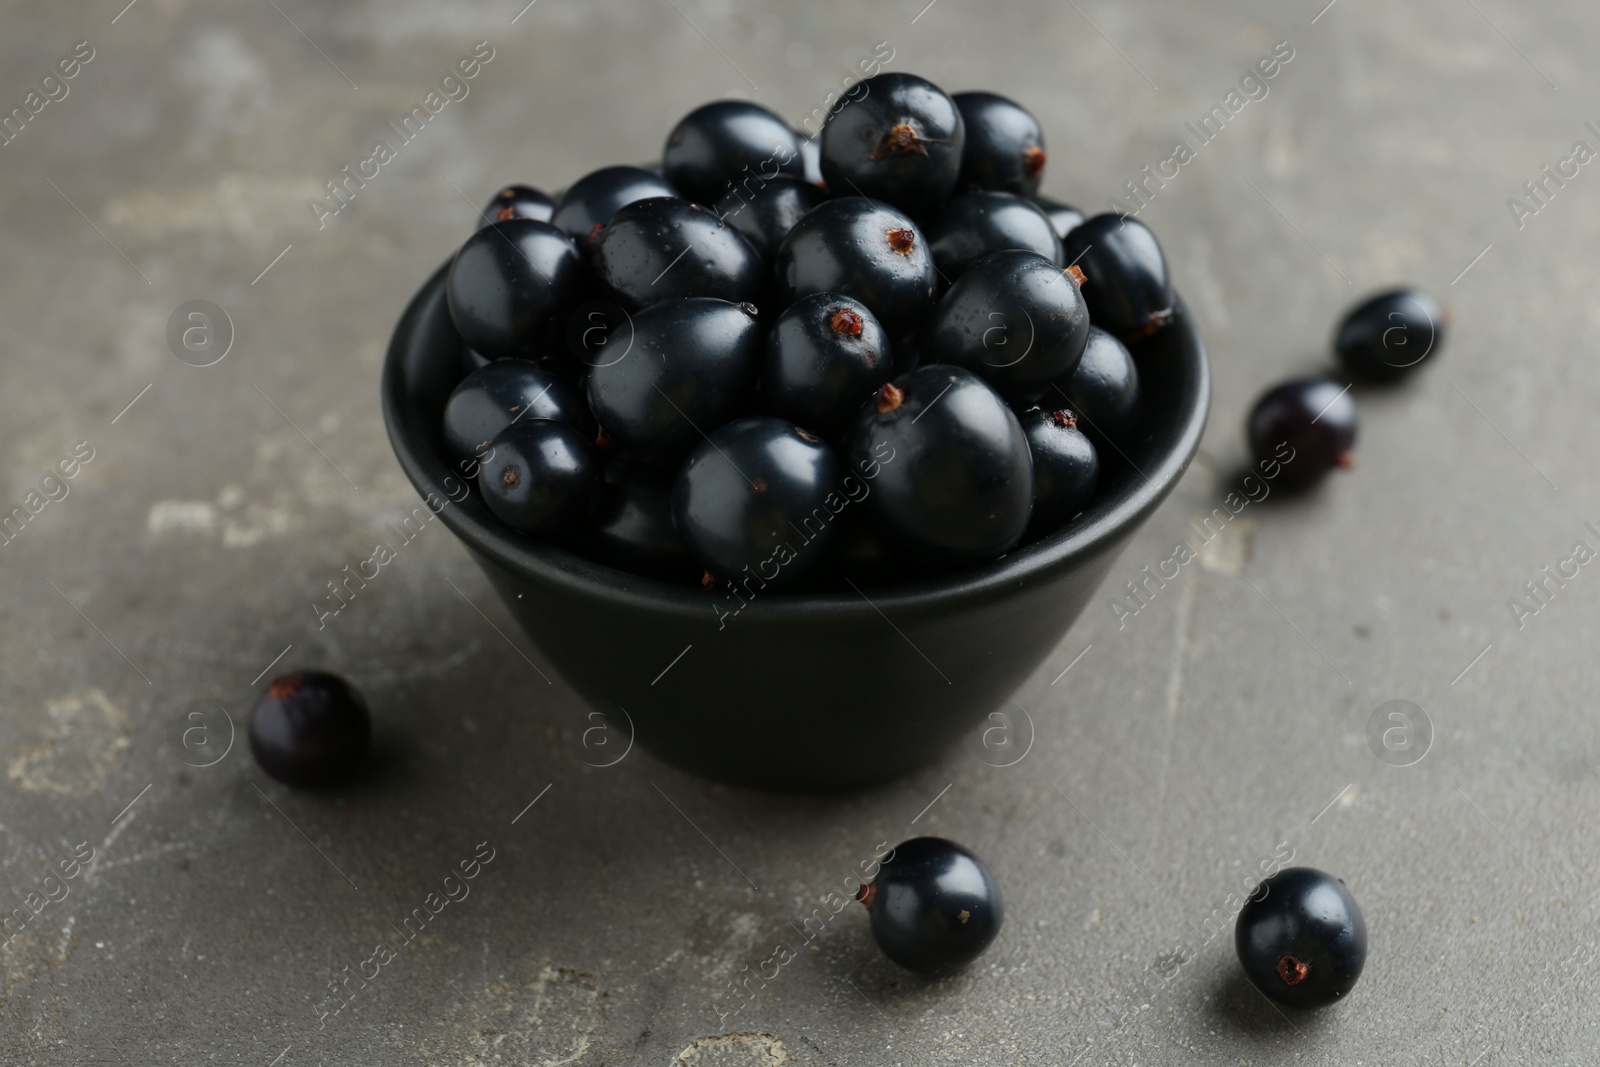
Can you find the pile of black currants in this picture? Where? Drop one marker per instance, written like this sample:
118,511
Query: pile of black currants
870,356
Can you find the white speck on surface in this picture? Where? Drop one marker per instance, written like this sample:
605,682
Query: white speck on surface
181,516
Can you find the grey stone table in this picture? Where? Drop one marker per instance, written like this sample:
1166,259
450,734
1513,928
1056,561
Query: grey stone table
211,914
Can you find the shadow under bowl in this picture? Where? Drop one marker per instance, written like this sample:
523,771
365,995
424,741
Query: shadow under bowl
814,691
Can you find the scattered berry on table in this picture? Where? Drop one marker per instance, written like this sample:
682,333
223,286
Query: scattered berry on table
1387,336
1301,938
933,907
310,728
1307,425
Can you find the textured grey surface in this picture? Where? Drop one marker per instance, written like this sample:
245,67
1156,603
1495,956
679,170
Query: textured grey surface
1208,735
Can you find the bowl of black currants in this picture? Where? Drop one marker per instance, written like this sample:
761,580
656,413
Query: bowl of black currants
798,456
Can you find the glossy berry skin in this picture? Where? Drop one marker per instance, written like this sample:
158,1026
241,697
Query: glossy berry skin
518,202
825,356
1066,468
1005,147
665,248
726,142
310,728
510,287
759,497
1126,281
506,391
1014,318
1301,938
811,157
955,482
632,528
900,142
541,477
765,213
972,225
691,367
1389,335
1308,425
934,907
865,249
592,199
1064,217
1103,390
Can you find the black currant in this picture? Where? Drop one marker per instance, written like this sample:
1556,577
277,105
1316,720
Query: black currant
766,214
825,356
970,226
955,480
541,477
934,907
518,202
901,141
310,728
760,497
1389,335
632,528
1307,425
1005,147
1125,275
690,367
721,146
665,248
591,200
865,249
1013,318
506,391
1066,468
1301,938
510,287
1104,389
1064,217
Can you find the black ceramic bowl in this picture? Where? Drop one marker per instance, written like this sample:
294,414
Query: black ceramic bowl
799,691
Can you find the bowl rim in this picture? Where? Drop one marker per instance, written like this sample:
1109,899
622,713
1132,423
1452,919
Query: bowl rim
577,575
